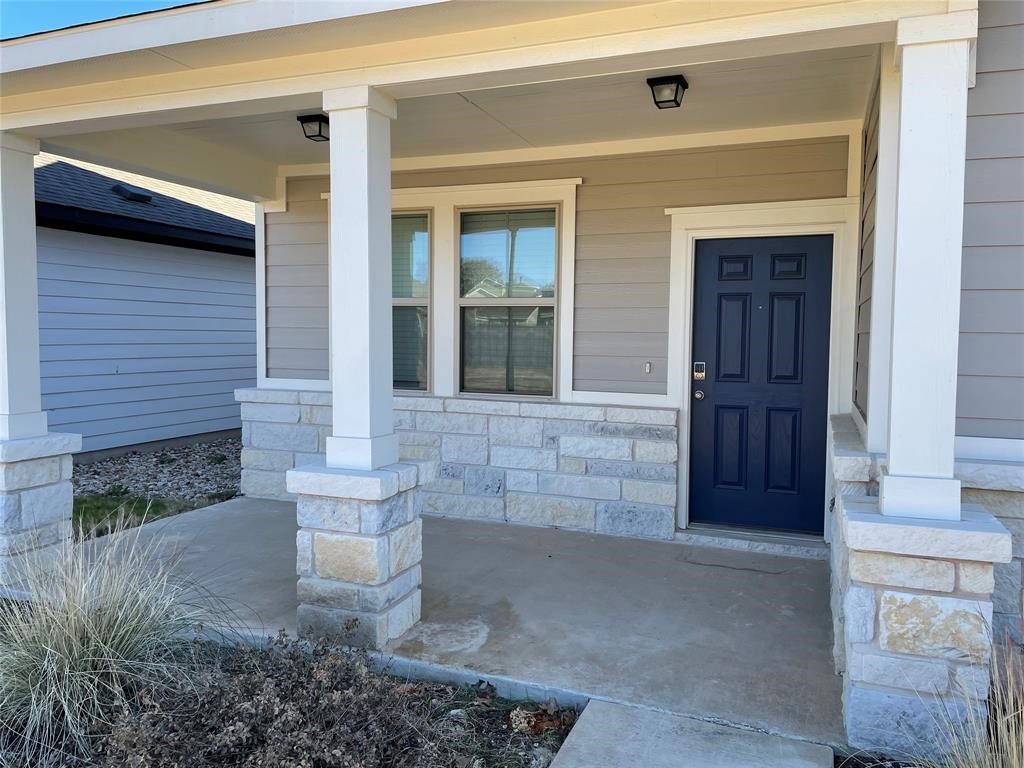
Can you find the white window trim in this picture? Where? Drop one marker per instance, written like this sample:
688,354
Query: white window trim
839,217
445,202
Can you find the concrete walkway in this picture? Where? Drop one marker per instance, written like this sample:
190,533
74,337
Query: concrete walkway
616,736
734,637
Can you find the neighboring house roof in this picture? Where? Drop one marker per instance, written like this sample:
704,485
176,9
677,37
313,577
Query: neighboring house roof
71,194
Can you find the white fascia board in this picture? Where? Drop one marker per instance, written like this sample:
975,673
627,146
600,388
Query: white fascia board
183,25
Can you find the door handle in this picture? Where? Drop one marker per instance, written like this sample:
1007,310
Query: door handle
698,394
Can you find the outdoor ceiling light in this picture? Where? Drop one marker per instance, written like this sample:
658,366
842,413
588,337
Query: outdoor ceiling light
668,91
315,127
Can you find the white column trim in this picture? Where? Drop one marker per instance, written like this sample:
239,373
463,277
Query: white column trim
919,480
839,217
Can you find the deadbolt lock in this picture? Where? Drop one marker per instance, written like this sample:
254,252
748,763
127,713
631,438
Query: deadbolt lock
698,371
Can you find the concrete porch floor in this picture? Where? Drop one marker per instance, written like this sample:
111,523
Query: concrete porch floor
735,637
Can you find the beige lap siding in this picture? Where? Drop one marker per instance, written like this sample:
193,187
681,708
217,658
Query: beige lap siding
622,247
865,268
990,392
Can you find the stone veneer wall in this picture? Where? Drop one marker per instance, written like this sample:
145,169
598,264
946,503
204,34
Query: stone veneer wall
996,486
607,469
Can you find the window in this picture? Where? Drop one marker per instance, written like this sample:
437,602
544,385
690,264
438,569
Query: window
410,303
507,266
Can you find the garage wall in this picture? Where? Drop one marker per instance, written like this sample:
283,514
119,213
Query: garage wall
142,342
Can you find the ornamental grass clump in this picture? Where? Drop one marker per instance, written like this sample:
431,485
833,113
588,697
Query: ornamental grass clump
106,619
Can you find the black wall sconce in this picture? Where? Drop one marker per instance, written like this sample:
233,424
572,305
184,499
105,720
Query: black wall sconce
315,127
668,91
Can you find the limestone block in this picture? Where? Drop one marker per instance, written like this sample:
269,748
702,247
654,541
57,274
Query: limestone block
328,513
317,414
614,448
358,597
900,723
570,465
253,395
405,419
643,416
361,559
485,481
284,437
932,625
17,475
464,449
489,407
976,577
10,512
269,460
1006,594
647,492
46,504
450,505
315,398
626,518
633,470
656,451
505,430
419,438
452,423
263,484
859,614
412,403
304,553
445,485
971,680
583,486
512,457
405,546
356,628
521,480
920,675
422,452
1002,504
29,539
533,509
378,517
279,412
320,480
50,444
404,615
67,467
453,472
897,571
559,411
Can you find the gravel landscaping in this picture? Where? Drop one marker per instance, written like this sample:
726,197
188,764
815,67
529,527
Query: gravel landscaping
194,472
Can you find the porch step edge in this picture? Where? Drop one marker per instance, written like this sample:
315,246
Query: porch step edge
611,735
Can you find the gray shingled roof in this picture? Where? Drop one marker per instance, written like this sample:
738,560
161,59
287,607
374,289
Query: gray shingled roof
76,184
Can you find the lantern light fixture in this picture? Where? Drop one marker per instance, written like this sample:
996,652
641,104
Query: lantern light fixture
668,90
315,127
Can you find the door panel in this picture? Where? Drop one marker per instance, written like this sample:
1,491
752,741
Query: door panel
761,326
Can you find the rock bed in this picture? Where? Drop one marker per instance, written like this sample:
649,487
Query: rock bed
187,472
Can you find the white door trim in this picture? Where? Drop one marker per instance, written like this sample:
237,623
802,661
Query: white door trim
839,217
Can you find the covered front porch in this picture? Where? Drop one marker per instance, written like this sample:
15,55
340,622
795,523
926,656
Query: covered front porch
716,634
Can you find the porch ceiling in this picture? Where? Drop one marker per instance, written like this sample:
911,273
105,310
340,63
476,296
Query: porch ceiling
810,87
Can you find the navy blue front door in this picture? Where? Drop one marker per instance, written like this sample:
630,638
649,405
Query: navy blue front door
758,416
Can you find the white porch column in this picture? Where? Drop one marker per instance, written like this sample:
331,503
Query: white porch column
35,466
919,481
21,413
363,435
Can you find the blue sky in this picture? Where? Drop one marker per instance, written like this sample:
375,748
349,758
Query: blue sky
25,17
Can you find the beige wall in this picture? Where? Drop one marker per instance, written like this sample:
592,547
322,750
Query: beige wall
990,400
865,266
622,247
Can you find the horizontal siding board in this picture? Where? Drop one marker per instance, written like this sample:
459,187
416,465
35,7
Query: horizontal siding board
989,397
997,428
993,224
992,311
995,136
178,429
139,341
997,13
1000,267
991,354
622,248
633,387
997,93
994,180
999,48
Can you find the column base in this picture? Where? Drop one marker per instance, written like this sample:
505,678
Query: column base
36,497
914,631
359,548
931,498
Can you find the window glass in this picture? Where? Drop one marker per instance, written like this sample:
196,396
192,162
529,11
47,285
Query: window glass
410,256
409,327
508,349
508,254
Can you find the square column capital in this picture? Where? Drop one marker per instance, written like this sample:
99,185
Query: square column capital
940,28
360,97
19,143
